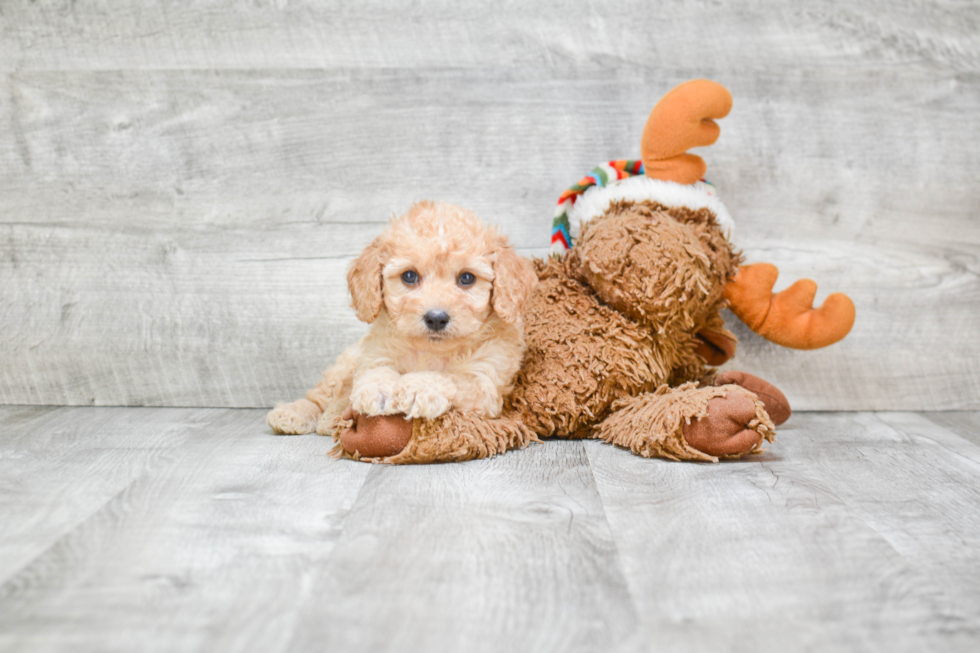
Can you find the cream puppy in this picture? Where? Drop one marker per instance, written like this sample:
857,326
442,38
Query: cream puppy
444,297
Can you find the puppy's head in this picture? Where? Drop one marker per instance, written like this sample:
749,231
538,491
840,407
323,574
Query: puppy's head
440,276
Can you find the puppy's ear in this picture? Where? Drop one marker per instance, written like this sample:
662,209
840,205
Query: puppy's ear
513,281
364,282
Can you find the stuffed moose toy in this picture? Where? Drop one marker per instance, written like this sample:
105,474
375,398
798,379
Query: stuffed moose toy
624,329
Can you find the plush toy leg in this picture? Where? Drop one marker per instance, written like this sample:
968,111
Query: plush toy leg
771,397
689,423
374,437
452,437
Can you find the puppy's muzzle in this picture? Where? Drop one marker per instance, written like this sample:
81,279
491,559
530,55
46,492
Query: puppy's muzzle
436,320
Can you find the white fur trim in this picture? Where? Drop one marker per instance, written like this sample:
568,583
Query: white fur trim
595,201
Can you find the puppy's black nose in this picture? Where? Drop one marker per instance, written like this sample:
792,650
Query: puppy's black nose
436,320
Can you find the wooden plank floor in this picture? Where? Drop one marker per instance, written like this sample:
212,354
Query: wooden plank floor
177,529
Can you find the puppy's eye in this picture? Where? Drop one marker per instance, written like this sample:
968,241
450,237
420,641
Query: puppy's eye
410,277
466,279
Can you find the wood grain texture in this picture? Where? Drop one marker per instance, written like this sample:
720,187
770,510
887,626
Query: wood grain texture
231,515
61,465
965,424
198,530
182,186
853,532
146,34
512,553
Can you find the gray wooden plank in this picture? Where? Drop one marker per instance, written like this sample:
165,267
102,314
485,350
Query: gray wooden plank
852,532
59,466
207,551
247,541
965,424
926,432
206,268
12,418
54,34
508,554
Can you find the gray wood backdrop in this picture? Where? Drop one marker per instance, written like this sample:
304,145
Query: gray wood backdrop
182,184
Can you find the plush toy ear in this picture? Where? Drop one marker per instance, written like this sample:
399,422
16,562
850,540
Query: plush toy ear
715,345
364,282
513,281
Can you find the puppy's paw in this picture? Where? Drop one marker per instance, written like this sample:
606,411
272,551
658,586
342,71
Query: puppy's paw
297,418
426,403
373,399
424,394
327,424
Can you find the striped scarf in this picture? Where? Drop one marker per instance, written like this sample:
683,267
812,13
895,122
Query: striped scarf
561,236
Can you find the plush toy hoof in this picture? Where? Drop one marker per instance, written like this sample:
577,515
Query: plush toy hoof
771,397
375,437
724,430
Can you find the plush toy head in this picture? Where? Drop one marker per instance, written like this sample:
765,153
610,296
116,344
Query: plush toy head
654,267
636,264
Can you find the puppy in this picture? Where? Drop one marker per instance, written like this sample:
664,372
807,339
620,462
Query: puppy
444,297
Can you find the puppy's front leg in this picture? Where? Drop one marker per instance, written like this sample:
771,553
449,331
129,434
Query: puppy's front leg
322,404
424,394
374,390
479,394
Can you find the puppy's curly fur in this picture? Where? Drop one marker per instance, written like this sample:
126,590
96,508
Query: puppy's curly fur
435,260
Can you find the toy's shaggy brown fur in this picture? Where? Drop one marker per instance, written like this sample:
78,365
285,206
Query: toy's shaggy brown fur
612,332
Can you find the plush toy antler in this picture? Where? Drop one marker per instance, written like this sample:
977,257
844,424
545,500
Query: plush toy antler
685,118
788,318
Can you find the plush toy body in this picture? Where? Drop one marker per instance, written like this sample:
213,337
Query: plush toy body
624,330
